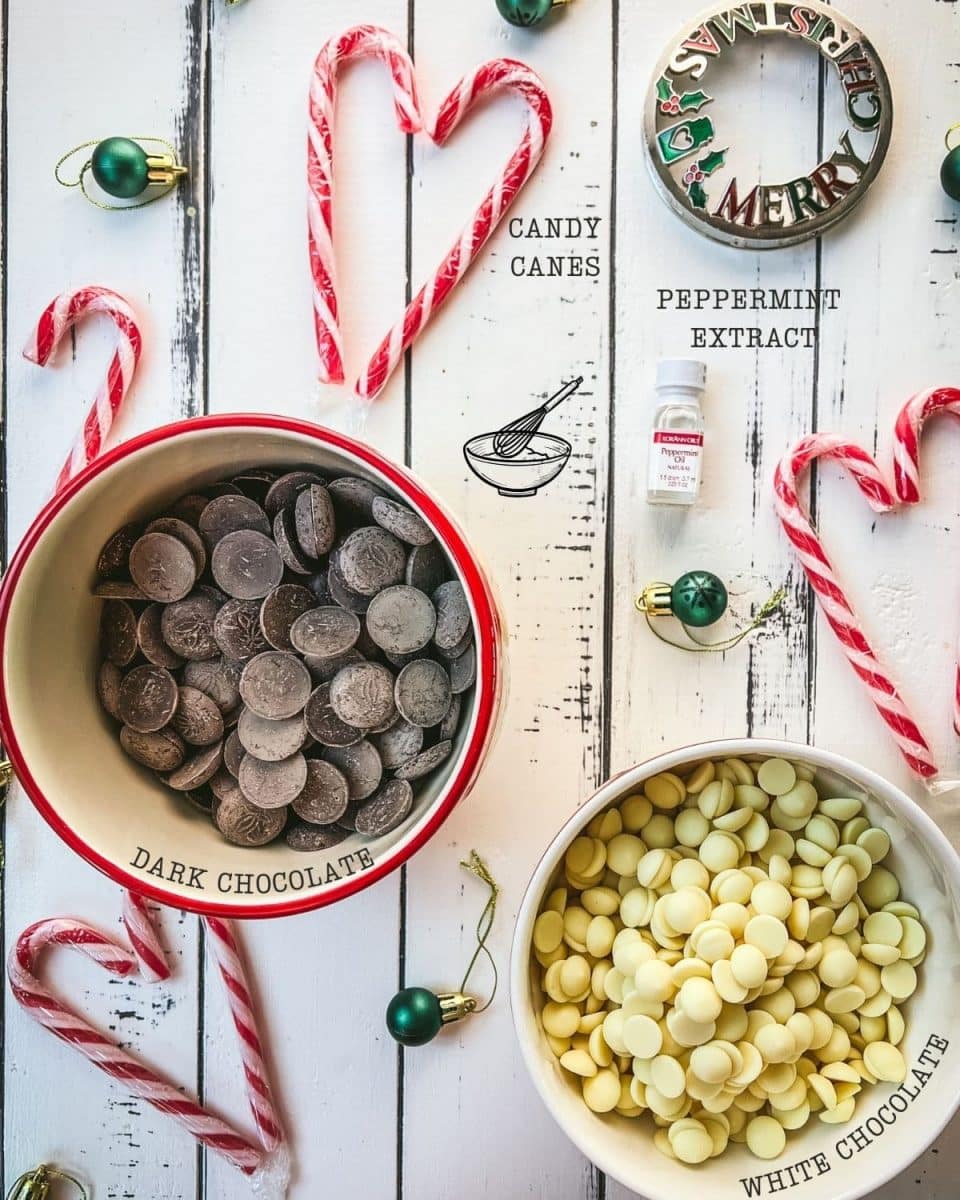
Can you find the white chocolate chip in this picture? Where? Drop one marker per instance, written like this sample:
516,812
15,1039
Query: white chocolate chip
578,1062
602,1092
899,979
767,933
885,1062
776,776
765,1137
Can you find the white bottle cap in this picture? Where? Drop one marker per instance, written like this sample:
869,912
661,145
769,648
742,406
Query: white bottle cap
681,372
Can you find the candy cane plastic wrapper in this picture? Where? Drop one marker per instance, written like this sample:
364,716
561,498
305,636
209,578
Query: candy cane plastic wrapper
492,77
268,1164
57,319
834,604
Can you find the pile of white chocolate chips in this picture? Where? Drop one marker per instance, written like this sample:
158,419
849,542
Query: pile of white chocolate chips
727,954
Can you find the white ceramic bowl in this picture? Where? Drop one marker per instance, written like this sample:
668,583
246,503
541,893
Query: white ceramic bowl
65,750
890,1127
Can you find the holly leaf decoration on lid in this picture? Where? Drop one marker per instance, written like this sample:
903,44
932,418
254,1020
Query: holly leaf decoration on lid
698,197
712,161
674,103
694,101
664,89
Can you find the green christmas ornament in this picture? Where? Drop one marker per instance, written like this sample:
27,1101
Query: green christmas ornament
526,13
950,170
416,1015
698,598
122,168
119,166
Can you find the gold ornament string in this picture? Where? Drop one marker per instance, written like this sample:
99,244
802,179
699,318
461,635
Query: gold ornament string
476,866
767,609
35,1185
951,145
81,180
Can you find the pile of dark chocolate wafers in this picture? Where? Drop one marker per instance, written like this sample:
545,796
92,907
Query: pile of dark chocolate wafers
290,653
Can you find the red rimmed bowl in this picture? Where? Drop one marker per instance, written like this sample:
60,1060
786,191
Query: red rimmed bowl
65,751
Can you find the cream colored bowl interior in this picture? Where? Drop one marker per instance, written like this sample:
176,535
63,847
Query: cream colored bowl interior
821,1162
116,808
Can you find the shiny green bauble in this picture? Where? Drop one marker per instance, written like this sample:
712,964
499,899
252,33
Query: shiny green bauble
950,174
698,599
524,12
119,166
414,1017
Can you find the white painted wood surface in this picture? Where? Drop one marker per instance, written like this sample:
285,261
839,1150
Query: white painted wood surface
220,274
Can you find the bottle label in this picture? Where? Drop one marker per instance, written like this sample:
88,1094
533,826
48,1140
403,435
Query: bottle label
675,460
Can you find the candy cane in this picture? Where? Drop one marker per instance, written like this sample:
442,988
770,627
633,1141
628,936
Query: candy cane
57,318
492,77
224,947
269,1163
834,604
906,466
143,938
500,74
364,41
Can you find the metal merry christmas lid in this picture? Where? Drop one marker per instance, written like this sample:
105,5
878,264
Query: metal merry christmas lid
694,164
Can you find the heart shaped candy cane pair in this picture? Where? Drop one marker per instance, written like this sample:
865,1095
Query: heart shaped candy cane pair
813,558
499,75
269,1164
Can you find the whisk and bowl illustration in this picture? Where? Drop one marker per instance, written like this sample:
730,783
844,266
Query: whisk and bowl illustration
518,459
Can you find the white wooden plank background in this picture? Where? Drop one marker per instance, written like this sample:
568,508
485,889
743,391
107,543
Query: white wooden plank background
220,274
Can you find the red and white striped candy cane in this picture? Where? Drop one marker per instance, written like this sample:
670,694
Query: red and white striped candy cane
364,41
882,498
502,74
143,938
222,943
906,465
492,77
269,1162
223,946
57,318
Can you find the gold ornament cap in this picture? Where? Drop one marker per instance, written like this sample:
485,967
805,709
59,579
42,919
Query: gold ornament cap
454,1006
36,1184
656,600
164,169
